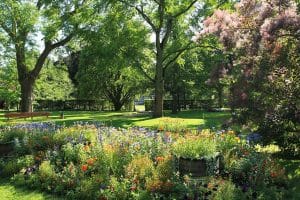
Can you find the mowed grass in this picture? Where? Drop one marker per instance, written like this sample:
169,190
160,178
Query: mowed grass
10,192
188,119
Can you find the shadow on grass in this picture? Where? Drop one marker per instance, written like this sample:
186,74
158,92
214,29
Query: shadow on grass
192,119
11,192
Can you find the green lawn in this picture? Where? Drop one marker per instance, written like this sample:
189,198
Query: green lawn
10,192
190,119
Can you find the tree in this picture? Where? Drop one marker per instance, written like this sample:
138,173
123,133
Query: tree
53,83
22,20
264,38
108,64
161,16
9,90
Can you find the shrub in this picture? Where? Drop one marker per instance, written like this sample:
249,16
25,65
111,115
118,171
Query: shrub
171,125
47,176
14,165
139,168
194,147
227,190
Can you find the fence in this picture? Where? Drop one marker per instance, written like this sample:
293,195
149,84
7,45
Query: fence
87,105
184,104
104,105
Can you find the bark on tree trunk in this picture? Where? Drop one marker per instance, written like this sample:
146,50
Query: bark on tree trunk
159,87
117,106
158,102
220,96
26,95
174,104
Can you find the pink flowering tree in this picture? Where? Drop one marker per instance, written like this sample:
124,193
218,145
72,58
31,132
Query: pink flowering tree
264,39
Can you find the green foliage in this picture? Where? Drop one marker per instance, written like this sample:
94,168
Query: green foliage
138,163
53,83
171,125
194,147
108,63
9,87
228,190
10,135
14,165
140,168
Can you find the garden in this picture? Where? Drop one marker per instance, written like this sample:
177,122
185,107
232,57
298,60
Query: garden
150,99
90,160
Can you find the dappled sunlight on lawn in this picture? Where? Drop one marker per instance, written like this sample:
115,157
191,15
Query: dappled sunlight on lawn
189,119
9,192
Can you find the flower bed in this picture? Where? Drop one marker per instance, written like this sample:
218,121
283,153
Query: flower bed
92,161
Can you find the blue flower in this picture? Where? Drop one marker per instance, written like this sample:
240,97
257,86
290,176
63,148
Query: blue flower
253,137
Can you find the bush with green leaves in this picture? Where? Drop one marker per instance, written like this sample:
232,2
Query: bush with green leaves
137,163
194,147
11,166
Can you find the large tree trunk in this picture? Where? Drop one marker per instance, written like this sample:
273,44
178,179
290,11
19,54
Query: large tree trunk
158,101
159,86
220,96
117,105
26,95
174,103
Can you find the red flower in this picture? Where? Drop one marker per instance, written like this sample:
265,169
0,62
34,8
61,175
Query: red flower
84,168
273,174
133,188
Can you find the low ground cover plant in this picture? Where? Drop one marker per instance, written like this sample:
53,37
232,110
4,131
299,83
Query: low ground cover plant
92,161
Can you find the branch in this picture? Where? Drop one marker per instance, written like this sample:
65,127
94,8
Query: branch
138,65
185,10
146,17
39,4
48,48
174,59
180,51
157,1
63,41
161,10
141,12
9,32
168,32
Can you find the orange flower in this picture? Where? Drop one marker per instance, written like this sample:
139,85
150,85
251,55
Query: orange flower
159,159
38,158
86,148
90,161
273,174
167,133
84,168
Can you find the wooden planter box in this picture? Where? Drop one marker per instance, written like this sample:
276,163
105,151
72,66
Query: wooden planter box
6,148
200,167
